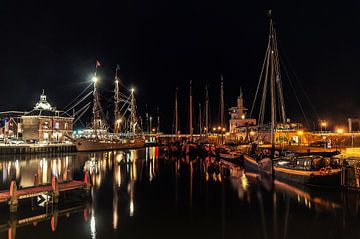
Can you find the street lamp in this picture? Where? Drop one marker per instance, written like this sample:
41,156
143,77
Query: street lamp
323,124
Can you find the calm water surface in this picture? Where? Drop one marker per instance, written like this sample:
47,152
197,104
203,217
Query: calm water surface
140,194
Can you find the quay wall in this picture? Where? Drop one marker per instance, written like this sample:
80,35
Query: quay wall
37,149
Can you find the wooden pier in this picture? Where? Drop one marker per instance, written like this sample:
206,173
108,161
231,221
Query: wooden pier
13,196
36,149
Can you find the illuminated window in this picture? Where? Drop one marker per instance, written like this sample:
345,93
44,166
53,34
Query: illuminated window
57,125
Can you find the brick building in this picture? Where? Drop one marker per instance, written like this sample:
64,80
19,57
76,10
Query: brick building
46,124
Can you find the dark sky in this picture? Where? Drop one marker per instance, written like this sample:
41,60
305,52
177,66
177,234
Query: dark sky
163,44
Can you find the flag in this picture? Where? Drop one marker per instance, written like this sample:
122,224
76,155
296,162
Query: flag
98,63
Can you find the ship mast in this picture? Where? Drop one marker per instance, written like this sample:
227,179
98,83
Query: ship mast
158,120
117,117
96,103
133,119
176,112
270,73
206,110
200,120
191,120
222,103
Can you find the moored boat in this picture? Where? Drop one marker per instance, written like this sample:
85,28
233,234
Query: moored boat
98,136
84,144
309,170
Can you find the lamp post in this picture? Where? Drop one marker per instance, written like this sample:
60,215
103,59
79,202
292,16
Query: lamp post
222,135
323,125
218,132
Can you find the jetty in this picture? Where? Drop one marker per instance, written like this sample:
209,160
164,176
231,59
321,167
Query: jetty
53,190
36,149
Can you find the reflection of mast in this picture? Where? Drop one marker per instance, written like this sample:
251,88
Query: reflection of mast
96,102
117,118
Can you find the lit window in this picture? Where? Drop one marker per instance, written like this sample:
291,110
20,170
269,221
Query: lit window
57,125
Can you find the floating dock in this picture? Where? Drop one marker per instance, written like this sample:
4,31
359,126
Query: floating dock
13,196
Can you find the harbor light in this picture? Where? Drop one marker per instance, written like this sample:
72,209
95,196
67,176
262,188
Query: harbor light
252,133
242,116
219,128
214,129
340,131
95,79
132,90
300,132
223,129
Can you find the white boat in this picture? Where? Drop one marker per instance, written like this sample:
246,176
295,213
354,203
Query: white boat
84,144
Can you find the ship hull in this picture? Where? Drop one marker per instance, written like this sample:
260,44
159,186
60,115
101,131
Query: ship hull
83,145
260,166
310,178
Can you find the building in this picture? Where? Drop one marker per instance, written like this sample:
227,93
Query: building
239,123
10,124
46,124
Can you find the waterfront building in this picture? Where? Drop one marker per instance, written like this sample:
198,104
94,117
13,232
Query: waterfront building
10,124
239,123
45,123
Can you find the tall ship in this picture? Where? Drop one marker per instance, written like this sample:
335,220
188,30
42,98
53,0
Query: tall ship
127,132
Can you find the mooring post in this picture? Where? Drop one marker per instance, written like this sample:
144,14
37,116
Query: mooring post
36,180
55,188
87,183
13,197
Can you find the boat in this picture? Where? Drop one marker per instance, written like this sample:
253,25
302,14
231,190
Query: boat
98,136
313,170
232,156
258,160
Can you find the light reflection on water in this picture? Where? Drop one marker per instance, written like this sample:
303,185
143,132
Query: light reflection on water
136,191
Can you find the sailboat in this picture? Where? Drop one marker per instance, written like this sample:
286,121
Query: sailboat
314,170
256,159
100,138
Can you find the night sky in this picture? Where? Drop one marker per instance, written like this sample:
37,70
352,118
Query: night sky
163,44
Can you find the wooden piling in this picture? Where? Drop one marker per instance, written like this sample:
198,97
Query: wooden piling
87,183
55,188
13,197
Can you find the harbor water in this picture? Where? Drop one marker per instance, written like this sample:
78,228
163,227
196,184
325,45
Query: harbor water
142,194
